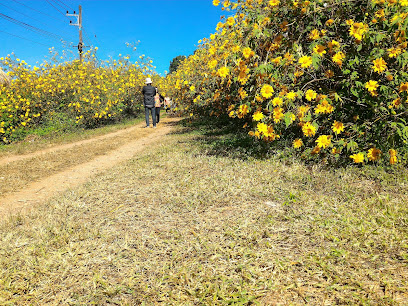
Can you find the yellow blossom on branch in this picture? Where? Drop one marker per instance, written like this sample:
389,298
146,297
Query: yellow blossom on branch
320,50
379,65
267,91
337,127
305,61
258,116
223,72
393,156
338,58
310,95
371,86
297,143
308,129
373,154
323,141
358,157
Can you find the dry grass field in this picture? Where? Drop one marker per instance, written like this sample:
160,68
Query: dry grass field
205,217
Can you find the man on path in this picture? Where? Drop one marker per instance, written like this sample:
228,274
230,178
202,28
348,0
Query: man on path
148,93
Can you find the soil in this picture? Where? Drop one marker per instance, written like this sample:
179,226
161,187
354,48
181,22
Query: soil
49,186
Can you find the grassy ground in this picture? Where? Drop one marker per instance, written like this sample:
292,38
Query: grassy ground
34,142
207,217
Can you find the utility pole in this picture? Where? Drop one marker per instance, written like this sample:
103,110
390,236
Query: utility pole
79,25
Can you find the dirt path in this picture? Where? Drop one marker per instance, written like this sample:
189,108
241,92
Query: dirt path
39,191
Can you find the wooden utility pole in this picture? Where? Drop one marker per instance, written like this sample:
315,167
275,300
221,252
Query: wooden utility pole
79,25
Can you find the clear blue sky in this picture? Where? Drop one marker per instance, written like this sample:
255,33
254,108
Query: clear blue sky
165,28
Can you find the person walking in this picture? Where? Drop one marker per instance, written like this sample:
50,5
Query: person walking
158,99
167,103
148,94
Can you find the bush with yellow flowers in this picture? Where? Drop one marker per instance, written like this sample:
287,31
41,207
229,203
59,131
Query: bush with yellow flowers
328,77
86,94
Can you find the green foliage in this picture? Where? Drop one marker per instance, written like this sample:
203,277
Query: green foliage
175,63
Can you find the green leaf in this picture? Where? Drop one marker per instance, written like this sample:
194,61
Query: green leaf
352,145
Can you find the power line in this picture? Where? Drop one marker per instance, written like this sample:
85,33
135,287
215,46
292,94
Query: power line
25,14
66,5
23,38
32,28
57,9
37,10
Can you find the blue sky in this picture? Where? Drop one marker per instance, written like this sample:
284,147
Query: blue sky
165,28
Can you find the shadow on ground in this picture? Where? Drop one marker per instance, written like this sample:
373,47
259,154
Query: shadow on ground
224,137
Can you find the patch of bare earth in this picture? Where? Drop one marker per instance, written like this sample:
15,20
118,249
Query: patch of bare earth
29,179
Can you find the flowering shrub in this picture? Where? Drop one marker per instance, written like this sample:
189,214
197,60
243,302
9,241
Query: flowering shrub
327,76
87,94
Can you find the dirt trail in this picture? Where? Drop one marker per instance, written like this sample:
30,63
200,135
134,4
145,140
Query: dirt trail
42,190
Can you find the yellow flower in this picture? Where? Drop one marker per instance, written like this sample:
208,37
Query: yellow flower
277,101
257,116
329,22
297,143
394,52
305,61
373,154
323,141
337,127
371,85
274,2
247,52
310,95
242,110
379,65
403,87
262,128
291,95
320,50
393,156
267,91
314,34
333,44
212,64
395,103
216,2
404,2
223,72
338,58
358,157
277,114
308,129
230,21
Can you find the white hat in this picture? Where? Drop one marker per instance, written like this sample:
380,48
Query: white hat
148,81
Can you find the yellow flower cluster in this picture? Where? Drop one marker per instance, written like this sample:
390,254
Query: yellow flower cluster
89,93
322,87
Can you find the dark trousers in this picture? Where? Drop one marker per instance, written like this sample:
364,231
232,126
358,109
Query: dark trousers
153,111
157,114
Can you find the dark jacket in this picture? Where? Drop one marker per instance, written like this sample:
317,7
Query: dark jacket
149,92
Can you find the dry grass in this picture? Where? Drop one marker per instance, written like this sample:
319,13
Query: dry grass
15,176
183,225
34,142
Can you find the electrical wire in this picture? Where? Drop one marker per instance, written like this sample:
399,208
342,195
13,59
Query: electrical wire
25,15
57,9
66,5
37,10
61,5
36,42
32,28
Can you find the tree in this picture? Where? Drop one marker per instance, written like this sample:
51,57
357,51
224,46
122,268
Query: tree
176,62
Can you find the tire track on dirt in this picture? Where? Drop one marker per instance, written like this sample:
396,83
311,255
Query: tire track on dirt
48,187
14,158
